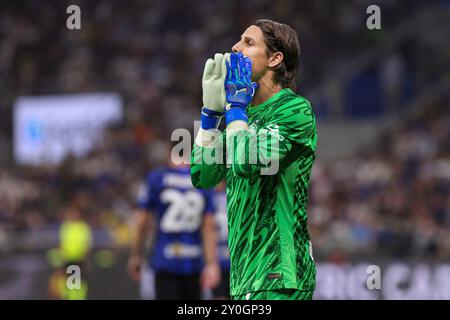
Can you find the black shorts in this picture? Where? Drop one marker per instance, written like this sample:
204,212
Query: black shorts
222,291
169,286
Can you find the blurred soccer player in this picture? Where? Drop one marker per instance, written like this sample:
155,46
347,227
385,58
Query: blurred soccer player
220,203
183,255
75,242
270,249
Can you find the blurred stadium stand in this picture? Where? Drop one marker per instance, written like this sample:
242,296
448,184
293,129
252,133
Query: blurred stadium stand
380,187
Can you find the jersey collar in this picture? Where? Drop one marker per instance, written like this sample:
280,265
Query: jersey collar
252,109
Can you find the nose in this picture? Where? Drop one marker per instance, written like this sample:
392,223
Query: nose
236,47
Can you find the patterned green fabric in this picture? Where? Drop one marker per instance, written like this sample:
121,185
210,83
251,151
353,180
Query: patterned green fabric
267,219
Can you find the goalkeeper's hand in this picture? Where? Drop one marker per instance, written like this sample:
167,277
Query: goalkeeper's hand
239,88
214,99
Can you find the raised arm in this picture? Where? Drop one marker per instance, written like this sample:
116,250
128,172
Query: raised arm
207,165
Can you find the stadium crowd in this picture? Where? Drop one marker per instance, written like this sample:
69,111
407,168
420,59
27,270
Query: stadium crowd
392,197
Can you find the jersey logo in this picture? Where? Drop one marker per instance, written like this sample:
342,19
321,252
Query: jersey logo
271,276
253,128
273,130
180,250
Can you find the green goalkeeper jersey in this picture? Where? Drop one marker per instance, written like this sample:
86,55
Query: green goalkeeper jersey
267,193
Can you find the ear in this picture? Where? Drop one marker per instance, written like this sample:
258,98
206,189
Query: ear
275,59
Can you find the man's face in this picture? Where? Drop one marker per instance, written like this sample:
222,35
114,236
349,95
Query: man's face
253,46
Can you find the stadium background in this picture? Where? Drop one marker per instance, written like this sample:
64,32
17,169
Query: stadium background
380,186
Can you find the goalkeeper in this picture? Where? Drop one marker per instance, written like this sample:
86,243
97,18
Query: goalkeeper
265,153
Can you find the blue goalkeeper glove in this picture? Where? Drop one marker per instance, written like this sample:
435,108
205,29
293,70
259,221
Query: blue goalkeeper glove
239,88
213,91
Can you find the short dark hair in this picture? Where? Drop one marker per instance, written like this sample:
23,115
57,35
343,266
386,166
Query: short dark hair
281,37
